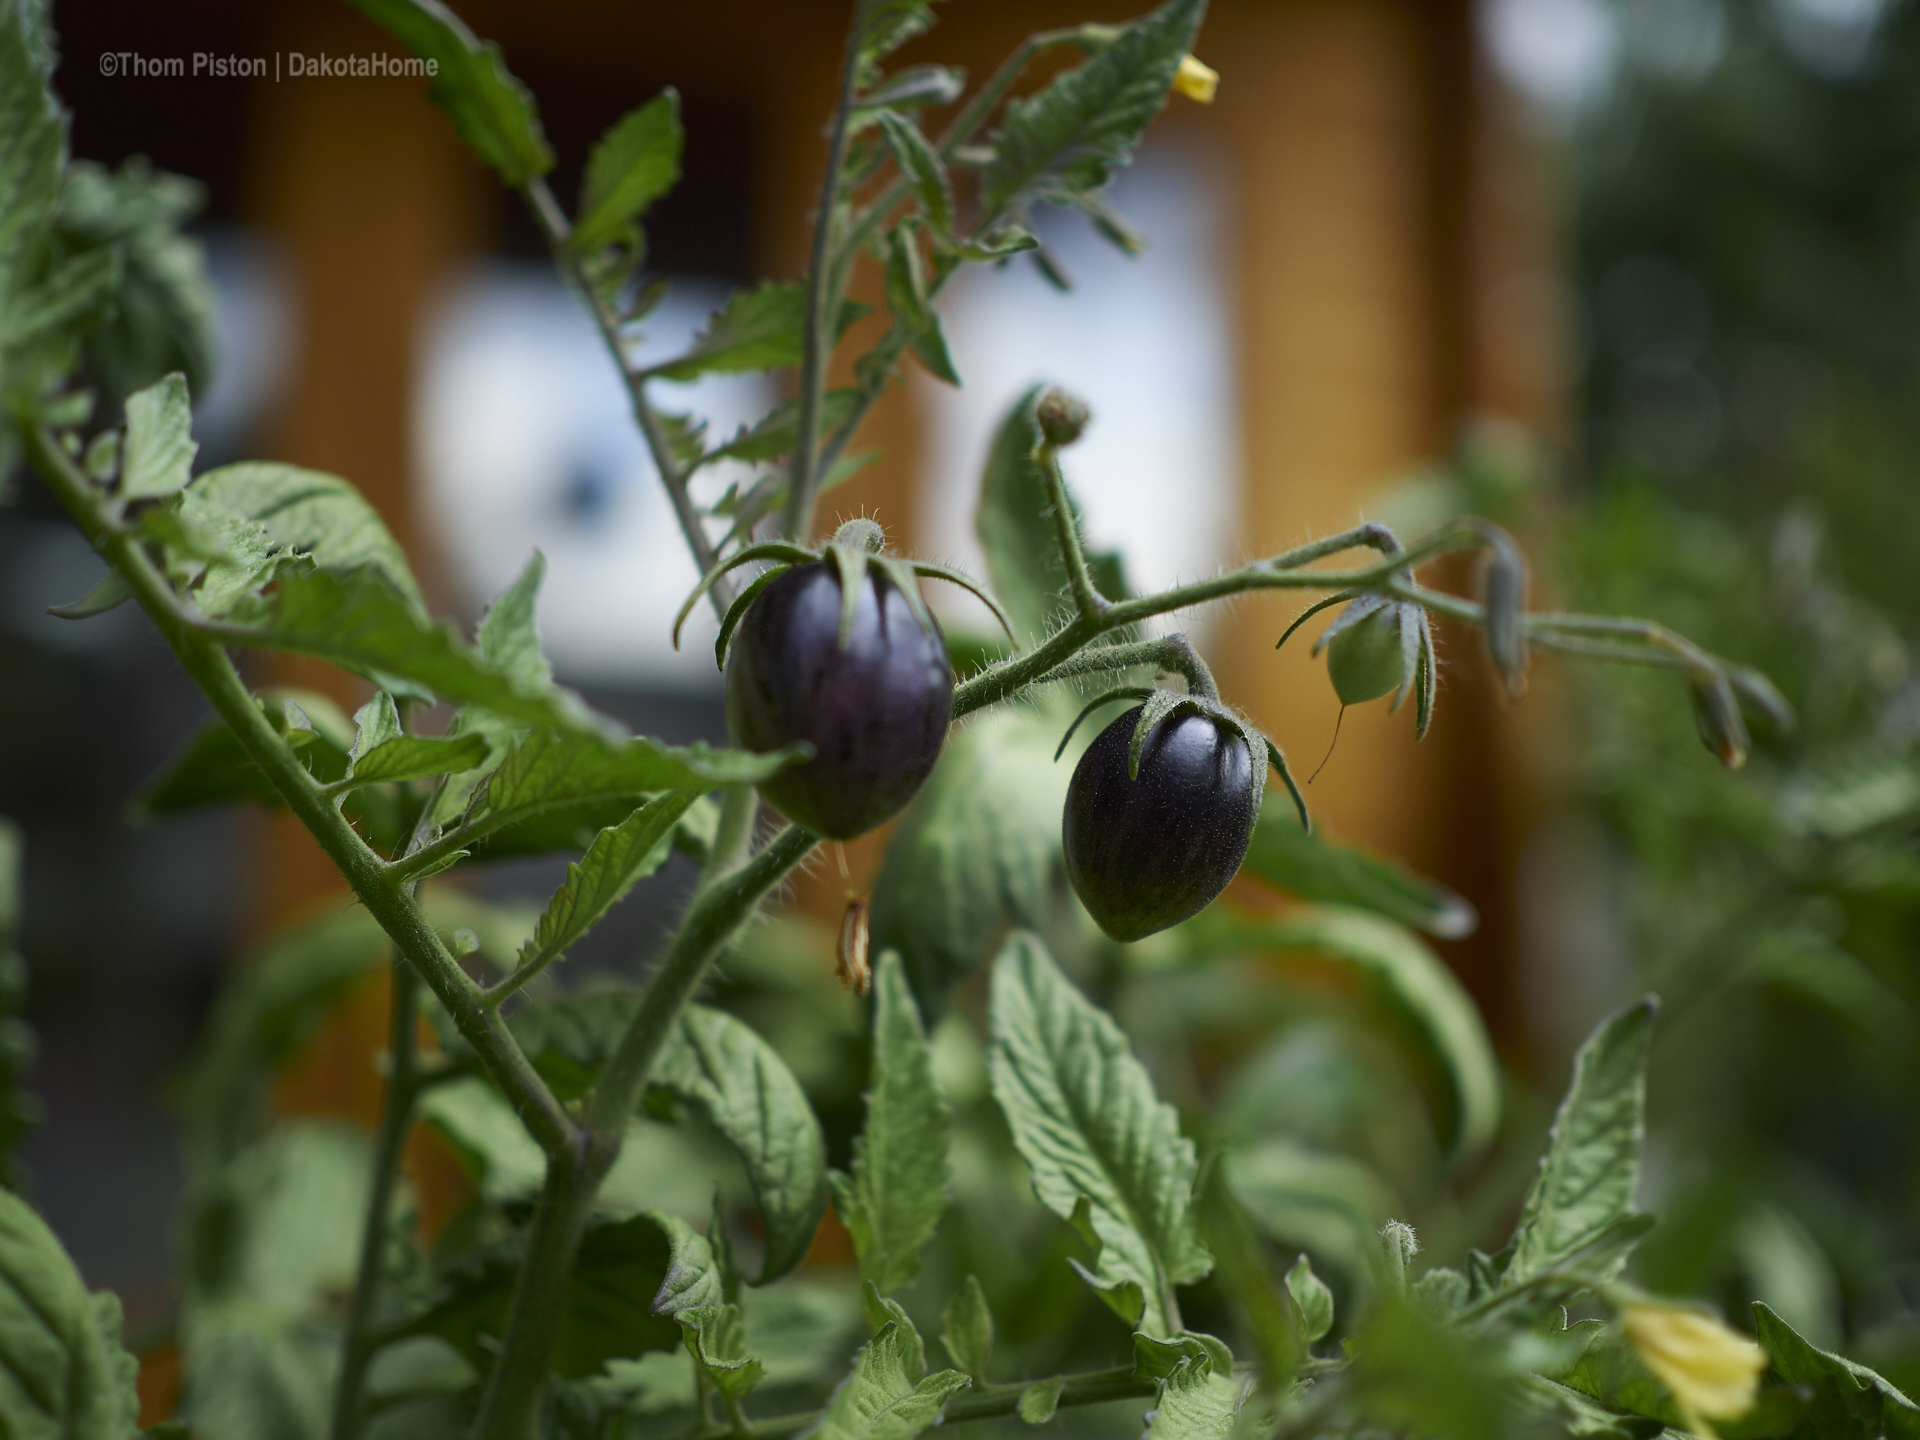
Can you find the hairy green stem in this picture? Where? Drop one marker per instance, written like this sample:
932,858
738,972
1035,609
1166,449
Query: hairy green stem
511,1407
739,808
1173,653
396,1117
821,325
1281,572
716,913
1066,527
387,900
558,231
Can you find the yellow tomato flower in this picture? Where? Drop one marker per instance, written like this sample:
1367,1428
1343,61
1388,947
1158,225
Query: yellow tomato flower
1196,81
1711,1371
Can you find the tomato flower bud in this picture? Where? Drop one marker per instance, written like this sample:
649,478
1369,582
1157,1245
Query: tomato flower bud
1196,81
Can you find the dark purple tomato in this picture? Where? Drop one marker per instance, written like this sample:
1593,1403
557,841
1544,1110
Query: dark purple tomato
875,712
1148,852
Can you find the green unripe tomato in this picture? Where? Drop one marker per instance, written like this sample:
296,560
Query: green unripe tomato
1368,659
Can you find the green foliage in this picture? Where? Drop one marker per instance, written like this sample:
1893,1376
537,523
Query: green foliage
62,1370
1106,1154
162,316
1591,1171
603,1126
619,857
1312,866
882,1399
635,163
968,1329
978,851
746,1092
1410,983
897,1191
492,110
1066,141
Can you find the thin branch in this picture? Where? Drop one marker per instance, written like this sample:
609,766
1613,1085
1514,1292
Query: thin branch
558,231
512,1403
386,900
821,326
396,1116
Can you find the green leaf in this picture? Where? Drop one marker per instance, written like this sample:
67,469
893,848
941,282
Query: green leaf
921,164
550,769
885,26
70,297
618,859
361,623
620,1268
878,1311
718,1339
760,329
62,1369
108,593
1068,139
1040,1400
1591,1170
1156,1359
906,290
719,1065
1848,1398
778,431
160,448
1332,1205
1313,1297
967,1328
978,850
162,316
478,1124
1414,986
635,163
1314,867
492,110
309,513
213,769
693,1280
1194,1404
879,1401
894,1199
414,757
33,143
1084,1115
509,640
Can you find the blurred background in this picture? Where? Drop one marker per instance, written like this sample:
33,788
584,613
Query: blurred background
1638,278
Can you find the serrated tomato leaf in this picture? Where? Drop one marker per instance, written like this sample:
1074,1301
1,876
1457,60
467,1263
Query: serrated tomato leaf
1591,1170
492,110
897,1191
1085,1117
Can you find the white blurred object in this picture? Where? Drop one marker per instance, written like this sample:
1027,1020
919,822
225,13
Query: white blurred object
1832,38
1560,54
1145,342
257,332
525,440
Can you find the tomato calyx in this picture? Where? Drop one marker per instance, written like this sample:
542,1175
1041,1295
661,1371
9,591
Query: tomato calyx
1158,704
856,547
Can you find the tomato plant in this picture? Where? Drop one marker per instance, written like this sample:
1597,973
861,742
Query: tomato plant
607,1274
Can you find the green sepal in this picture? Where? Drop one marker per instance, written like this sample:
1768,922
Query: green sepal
782,552
1123,692
737,612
